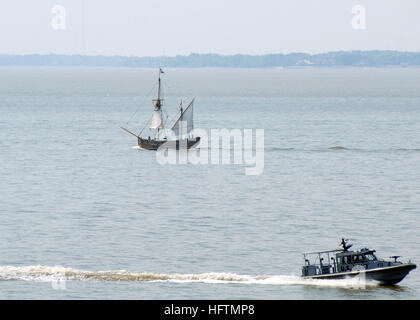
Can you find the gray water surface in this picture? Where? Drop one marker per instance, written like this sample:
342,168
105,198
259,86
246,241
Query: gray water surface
79,203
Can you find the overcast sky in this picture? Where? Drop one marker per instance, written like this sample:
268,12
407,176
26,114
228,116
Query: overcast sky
171,27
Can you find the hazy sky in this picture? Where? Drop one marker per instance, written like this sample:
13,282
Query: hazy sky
171,27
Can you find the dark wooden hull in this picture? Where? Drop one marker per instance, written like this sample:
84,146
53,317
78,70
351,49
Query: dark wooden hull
385,276
155,144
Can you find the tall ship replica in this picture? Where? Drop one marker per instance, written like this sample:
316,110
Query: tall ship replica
344,263
180,133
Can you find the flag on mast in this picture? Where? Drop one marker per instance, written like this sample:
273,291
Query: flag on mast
160,70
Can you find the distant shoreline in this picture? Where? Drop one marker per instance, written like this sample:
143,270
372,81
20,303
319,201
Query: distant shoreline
390,67
377,58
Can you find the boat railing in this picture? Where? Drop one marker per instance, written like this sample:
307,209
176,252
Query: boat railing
323,263
318,269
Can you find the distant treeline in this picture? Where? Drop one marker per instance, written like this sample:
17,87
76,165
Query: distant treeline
330,59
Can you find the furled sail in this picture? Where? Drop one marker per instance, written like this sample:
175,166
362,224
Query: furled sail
156,120
185,117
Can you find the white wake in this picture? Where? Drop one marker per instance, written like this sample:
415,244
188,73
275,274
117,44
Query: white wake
48,273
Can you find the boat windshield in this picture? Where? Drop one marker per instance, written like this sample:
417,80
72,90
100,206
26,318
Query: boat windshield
370,257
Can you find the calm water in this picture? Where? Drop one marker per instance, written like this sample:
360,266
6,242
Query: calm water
79,205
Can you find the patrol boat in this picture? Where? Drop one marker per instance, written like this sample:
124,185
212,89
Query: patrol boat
345,263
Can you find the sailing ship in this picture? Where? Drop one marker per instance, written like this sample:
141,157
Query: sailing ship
184,126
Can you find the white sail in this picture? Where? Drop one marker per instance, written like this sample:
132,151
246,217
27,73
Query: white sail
156,120
187,118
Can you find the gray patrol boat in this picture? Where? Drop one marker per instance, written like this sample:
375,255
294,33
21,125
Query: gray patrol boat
345,263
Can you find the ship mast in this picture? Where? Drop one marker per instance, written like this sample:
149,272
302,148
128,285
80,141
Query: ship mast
187,115
180,123
158,105
158,98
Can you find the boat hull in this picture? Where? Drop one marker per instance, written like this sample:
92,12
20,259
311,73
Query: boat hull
386,276
155,144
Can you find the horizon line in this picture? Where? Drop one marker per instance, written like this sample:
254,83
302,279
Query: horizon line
208,54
